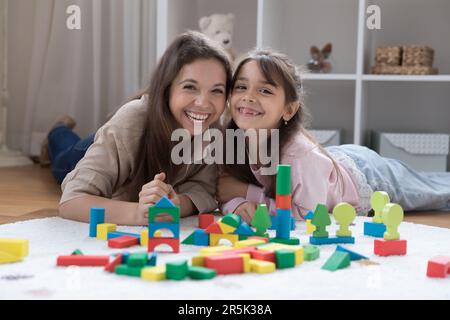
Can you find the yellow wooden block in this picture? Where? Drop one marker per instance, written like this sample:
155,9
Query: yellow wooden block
144,238
214,238
261,266
248,243
208,251
103,229
310,228
298,250
8,258
198,261
15,247
157,234
246,262
157,273
226,228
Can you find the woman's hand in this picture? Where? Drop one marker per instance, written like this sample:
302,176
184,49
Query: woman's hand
246,210
229,187
150,194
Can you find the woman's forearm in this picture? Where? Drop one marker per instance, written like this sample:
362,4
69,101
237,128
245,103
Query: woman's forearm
117,212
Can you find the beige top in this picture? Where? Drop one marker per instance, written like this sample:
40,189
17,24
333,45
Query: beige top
109,163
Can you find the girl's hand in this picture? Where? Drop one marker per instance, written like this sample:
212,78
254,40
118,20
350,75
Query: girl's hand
229,187
246,210
150,194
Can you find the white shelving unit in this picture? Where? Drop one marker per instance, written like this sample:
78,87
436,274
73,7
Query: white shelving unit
349,98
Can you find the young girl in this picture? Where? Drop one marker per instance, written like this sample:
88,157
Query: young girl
267,94
128,167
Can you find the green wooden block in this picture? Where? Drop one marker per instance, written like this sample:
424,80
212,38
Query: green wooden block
321,220
338,260
177,270
261,220
311,253
285,258
291,241
201,273
284,179
77,252
242,237
137,260
123,269
189,239
173,212
232,220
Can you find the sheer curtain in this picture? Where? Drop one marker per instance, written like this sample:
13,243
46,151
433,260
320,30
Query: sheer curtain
85,73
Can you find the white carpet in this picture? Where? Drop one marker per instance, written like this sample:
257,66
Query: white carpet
37,277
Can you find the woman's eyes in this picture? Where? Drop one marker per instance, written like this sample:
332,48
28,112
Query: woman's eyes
219,91
189,87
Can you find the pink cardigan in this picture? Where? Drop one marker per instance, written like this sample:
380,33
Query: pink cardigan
313,180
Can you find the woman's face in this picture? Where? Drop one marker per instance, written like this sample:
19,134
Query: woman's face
255,103
198,94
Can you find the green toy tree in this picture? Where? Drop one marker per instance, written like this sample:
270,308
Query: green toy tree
321,220
261,220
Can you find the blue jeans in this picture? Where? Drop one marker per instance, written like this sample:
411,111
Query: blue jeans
411,189
65,149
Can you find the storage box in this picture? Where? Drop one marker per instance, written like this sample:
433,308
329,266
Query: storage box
327,137
423,152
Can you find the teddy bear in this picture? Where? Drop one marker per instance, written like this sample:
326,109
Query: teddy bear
219,27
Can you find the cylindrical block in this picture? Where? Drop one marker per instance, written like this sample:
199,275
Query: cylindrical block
283,201
284,179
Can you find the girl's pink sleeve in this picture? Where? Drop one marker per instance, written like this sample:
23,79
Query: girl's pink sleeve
230,206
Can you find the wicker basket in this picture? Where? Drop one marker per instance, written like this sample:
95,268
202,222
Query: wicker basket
389,56
403,70
417,56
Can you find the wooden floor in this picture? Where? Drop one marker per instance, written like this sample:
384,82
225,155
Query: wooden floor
32,192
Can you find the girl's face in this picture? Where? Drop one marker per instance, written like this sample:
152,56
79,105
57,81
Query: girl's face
197,96
255,103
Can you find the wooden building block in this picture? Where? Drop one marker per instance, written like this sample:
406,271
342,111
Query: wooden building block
96,216
225,264
214,238
205,220
123,242
103,229
201,273
82,261
174,243
154,273
111,266
338,260
177,270
386,248
15,247
248,243
438,267
261,266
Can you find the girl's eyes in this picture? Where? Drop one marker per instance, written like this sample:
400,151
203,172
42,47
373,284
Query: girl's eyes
219,91
189,87
265,91
240,87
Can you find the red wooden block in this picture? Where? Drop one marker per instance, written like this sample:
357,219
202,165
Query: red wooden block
264,255
123,242
258,238
174,243
386,248
82,261
214,228
205,220
438,267
283,201
111,265
225,264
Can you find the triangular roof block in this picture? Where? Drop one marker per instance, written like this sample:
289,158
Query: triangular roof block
164,202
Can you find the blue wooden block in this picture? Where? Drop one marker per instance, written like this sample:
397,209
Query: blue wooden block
310,215
283,223
354,256
151,259
373,229
274,223
125,256
244,230
330,240
292,223
116,234
96,216
174,227
201,238
164,202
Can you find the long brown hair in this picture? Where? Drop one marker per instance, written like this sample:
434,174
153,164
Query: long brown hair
278,70
156,144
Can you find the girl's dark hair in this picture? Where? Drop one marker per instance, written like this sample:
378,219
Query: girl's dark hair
278,70
156,144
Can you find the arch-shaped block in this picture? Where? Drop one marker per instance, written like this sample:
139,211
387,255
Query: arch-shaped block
174,243
173,227
153,212
214,238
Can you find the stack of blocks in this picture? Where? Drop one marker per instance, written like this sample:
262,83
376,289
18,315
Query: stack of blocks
164,206
391,244
376,228
343,213
283,202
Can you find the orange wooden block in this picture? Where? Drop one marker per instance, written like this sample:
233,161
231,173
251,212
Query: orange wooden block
82,261
283,201
438,267
205,220
225,264
214,228
174,243
386,248
263,255
113,263
123,242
